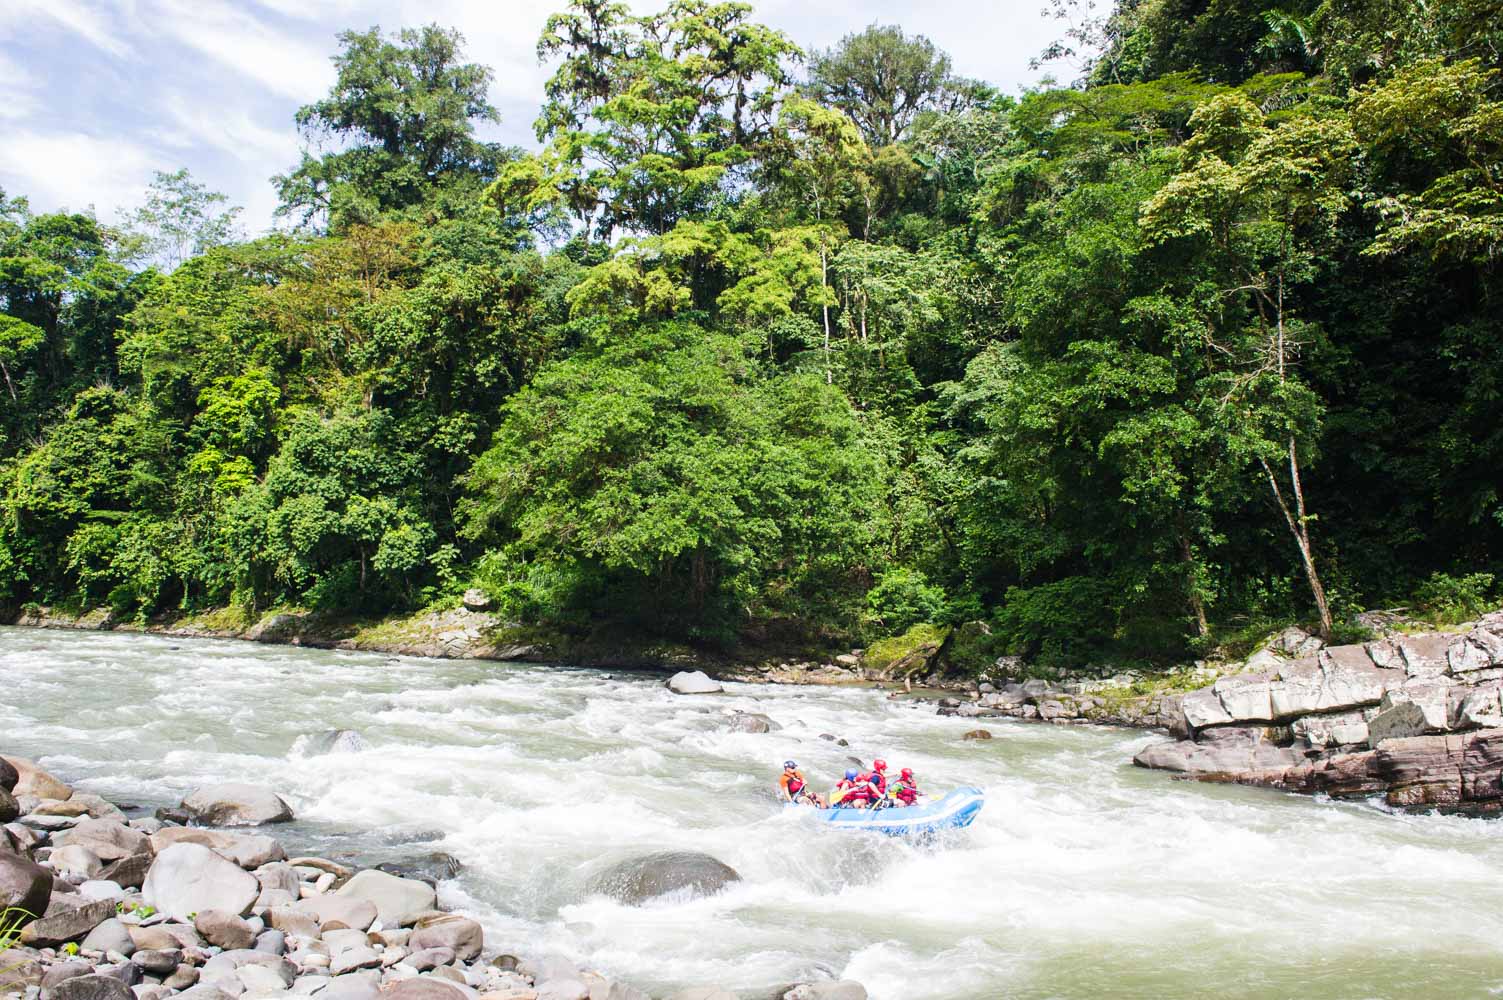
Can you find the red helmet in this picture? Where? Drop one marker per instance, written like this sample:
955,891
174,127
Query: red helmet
879,765
907,772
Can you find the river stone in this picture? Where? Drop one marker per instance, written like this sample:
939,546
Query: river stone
32,780
9,776
67,922
1245,697
205,991
158,962
333,741
110,839
101,889
752,722
693,682
845,989
278,875
334,911
74,859
398,901
421,989
639,879
229,965
223,929
128,872
92,987
61,973
461,935
351,959
236,804
112,935
248,850
190,878
24,885
10,809
356,986
429,958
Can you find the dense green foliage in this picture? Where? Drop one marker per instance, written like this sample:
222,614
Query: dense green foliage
1211,337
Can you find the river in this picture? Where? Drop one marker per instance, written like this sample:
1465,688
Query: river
1083,877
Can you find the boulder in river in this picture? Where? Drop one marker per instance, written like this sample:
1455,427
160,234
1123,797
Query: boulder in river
248,850
639,879
978,734
459,934
332,741
189,878
693,682
844,989
752,722
236,804
23,885
8,776
33,781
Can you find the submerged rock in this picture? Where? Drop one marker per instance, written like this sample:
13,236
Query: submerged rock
637,880
331,741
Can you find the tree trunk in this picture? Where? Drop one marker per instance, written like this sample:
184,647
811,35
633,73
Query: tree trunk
825,305
1197,604
1299,527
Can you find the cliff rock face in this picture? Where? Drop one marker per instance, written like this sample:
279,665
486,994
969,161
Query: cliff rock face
1418,719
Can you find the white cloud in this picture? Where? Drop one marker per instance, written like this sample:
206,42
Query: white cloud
79,18
18,97
74,170
279,62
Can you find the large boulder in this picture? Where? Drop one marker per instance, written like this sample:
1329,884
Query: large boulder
1203,708
1334,729
248,850
693,682
398,901
8,776
32,780
1221,756
111,935
23,885
1245,697
95,987
188,878
66,920
639,879
129,872
1424,655
236,804
332,911
1398,720
223,929
461,935
109,839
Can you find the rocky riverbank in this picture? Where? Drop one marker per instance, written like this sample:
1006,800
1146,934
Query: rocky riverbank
199,901
1417,719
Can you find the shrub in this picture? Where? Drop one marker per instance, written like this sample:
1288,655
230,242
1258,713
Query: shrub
1448,599
904,598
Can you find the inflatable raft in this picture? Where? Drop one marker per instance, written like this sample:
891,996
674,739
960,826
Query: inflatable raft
957,809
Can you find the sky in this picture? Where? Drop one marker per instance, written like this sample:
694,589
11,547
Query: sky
95,95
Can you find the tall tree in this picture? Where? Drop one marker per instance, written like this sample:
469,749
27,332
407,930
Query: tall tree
882,78
402,117
180,218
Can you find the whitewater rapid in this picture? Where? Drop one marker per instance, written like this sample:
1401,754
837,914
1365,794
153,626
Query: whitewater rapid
1083,877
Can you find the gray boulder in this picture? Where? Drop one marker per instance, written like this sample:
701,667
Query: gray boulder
129,872
752,722
845,989
228,965
459,934
23,885
223,929
639,879
1226,756
61,973
422,989
33,781
1398,720
158,962
398,901
332,912
248,850
1335,729
66,920
10,809
1203,708
92,987
189,878
1245,697
8,776
693,682
1424,655
236,804
332,741
109,936
75,860
109,839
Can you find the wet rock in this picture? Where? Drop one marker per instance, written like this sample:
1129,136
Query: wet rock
430,868
398,901
24,885
64,923
460,935
91,987
1250,753
8,776
333,912
33,781
977,734
223,929
693,682
752,722
248,850
845,989
333,741
637,880
189,878
236,804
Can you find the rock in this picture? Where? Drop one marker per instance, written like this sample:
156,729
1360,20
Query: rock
752,722
430,868
429,958
977,734
128,872
190,878
339,871
231,965
1352,680
563,989
10,809
639,879
248,850
92,987
278,875
704,993
351,959
1245,697
460,935
356,986
109,839
333,741
61,973
1338,729
845,989
273,942
333,912
24,885
158,963
1398,720
111,935
223,929
1203,708
76,860
1264,661
398,901
693,682
32,780
204,992
9,776
61,925
1424,655
182,978
1478,706
154,938
421,989
236,804
100,889
1227,756
476,599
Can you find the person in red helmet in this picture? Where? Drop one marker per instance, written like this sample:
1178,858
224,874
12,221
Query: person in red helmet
878,779
905,789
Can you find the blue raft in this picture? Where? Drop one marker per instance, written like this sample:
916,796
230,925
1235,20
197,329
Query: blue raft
956,810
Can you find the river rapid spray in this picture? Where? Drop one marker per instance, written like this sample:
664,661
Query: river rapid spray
1083,876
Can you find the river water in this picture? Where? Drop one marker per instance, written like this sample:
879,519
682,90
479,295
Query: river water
1084,877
